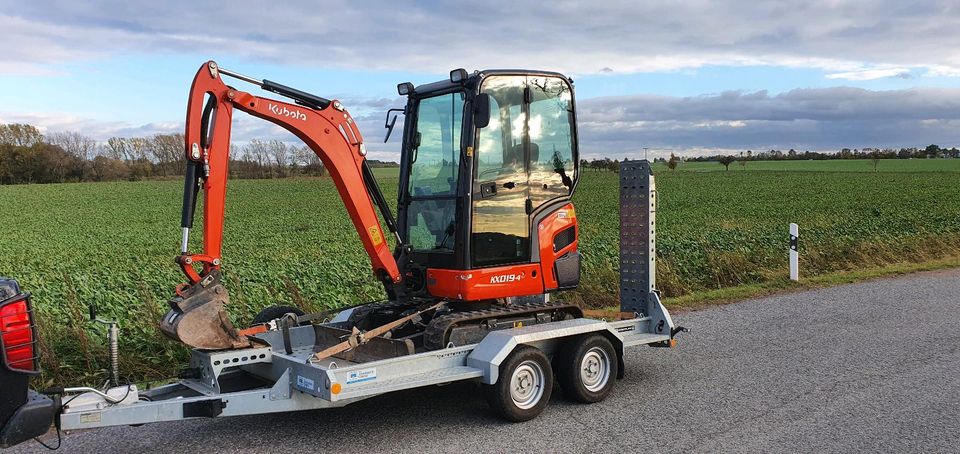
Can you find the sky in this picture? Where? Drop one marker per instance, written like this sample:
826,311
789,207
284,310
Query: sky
692,77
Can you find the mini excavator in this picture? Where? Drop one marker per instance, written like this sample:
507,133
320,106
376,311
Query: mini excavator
485,228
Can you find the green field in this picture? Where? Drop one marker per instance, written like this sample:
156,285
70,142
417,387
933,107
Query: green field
838,165
291,242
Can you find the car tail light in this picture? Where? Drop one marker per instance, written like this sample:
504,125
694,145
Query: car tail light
18,335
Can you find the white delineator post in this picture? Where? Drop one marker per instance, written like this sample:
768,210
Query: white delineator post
794,256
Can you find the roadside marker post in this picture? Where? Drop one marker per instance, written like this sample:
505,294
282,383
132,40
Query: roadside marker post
794,256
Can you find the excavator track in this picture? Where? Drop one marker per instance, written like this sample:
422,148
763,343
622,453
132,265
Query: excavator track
439,331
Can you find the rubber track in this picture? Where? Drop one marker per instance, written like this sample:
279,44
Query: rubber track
437,332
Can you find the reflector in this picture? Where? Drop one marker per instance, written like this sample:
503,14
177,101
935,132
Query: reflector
17,336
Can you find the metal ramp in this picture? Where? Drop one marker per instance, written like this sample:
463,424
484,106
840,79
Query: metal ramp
638,209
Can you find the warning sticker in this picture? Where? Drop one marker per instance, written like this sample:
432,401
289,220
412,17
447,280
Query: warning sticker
375,235
363,375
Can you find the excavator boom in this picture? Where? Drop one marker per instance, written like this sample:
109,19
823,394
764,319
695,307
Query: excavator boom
325,126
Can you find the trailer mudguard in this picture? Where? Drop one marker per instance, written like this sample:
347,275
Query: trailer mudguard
497,345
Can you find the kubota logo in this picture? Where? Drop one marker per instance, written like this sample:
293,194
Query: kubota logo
280,110
505,278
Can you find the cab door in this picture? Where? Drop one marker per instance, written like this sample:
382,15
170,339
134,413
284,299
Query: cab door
526,160
500,228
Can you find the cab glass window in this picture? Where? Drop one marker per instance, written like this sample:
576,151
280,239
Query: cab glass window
550,128
434,173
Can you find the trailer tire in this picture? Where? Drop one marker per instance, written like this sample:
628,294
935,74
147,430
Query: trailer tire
274,312
523,389
586,368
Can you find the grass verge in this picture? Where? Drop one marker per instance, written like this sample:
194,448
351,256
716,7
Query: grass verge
727,295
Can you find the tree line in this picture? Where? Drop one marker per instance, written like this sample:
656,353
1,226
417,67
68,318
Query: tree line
28,156
875,154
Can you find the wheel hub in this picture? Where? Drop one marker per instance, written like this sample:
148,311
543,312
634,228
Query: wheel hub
595,369
526,385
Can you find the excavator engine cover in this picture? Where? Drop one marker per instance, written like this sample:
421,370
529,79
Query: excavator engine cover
198,319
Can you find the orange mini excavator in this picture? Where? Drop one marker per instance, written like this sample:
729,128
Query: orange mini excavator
485,228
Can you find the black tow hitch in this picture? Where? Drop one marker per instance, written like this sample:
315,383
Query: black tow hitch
672,342
678,330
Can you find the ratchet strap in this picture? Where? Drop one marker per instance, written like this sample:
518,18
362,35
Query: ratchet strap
359,338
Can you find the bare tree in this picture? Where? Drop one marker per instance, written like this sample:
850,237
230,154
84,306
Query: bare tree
81,147
76,144
168,151
278,151
20,135
256,151
117,148
875,159
139,148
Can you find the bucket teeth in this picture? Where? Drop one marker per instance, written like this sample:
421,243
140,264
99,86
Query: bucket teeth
199,319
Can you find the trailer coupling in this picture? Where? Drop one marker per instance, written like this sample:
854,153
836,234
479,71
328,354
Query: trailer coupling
678,330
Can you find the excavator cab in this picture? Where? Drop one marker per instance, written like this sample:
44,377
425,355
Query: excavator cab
489,164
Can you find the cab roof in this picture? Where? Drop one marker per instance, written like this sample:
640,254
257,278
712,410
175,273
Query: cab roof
473,79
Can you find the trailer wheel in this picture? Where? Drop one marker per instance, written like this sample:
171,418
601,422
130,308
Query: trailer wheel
524,387
586,368
274,312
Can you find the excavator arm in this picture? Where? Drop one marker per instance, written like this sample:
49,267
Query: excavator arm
197,317
324,125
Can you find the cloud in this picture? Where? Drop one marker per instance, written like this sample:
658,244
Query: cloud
804,119
96,128
872,74
846,37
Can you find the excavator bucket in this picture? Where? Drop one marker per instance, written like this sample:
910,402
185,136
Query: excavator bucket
197,317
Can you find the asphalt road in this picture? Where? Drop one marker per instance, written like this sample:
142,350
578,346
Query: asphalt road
865,367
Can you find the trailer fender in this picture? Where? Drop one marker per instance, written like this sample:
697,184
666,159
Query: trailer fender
496,346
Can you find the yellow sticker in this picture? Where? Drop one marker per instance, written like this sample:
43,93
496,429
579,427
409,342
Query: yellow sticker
469,151
375,235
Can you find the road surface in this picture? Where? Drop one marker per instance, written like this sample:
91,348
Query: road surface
873,366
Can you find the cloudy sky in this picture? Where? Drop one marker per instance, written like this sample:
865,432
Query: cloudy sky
692,77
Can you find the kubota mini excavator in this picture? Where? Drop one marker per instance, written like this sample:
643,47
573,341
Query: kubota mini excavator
485,227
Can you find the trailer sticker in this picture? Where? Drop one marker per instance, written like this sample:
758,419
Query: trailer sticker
90,417
304,382
358,376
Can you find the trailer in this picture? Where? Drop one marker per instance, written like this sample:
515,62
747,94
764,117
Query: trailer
280,373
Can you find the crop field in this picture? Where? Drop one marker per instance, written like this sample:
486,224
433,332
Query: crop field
291,242
839,165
